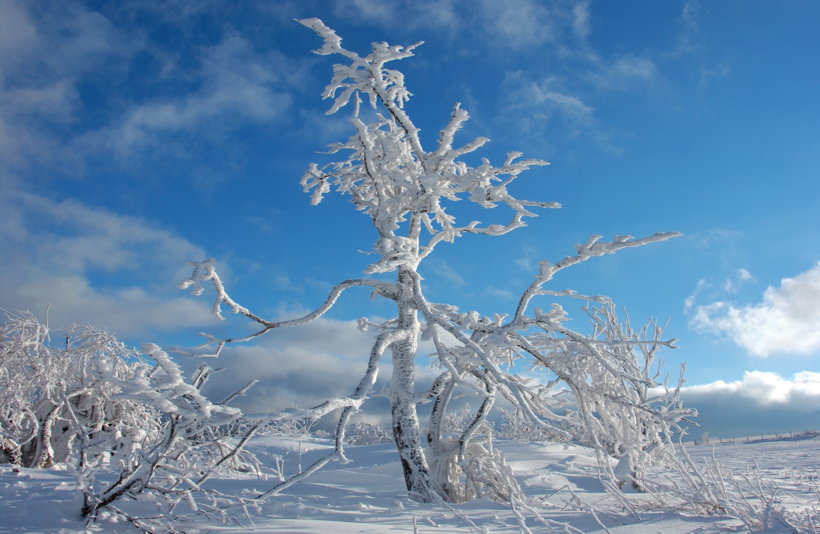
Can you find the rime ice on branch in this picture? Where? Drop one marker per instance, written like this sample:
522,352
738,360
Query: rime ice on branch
593,383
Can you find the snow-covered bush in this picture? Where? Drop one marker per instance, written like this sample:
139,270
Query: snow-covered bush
57,399
622,406
363,433
515,426
107,412
170,467
602,379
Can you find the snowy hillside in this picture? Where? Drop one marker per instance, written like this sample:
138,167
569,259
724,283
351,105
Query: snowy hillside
368,494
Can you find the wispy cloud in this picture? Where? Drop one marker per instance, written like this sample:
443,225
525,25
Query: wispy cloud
580,20
71,257
537,102
626,72
41,61
519,23
716,236
689,36
198,91
527,258
445,271
690,41
785,321
690,300
504,294
233,84
402,15
733,283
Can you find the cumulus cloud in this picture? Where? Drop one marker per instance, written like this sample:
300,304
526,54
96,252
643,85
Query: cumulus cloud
763,388
72,257
786,321
760,403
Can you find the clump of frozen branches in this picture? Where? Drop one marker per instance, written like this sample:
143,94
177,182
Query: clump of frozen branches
604,380
623,407
172,465
108,412
515,426
57,399
363,433
759,503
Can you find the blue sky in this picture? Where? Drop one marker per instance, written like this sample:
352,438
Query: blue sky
137,136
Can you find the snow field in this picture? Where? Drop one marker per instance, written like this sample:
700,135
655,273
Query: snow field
368,495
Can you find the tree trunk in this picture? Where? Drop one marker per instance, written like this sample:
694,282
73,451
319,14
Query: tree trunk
406,428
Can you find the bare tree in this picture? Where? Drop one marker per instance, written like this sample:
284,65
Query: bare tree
406,190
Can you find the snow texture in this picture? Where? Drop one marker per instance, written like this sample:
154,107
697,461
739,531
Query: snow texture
368,495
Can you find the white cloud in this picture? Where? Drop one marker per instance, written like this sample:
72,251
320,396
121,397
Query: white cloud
690,300
580,20
17,32
49,52
689,36
763,388
299,366
786,321
233,83
403,15
373,9
501,293
56,254
41,59
625,73
760,403
540,101
716,236
518,23
733,284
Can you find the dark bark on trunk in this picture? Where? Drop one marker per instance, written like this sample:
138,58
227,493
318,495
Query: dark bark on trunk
406,428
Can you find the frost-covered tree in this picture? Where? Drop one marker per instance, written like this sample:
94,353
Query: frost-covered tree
596,379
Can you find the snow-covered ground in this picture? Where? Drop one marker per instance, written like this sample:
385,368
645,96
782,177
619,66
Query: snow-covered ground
368,495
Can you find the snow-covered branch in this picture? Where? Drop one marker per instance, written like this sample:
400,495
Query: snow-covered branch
205,271
391,178
593,247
